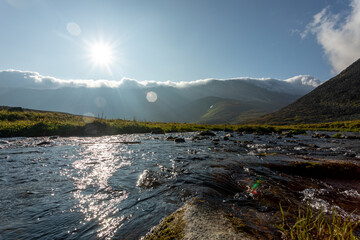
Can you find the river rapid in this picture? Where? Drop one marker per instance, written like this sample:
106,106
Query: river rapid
119,187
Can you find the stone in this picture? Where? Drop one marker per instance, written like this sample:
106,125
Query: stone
170,138
43,143
207,133
179,140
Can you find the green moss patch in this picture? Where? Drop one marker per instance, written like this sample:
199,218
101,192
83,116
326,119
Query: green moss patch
237,223
171,228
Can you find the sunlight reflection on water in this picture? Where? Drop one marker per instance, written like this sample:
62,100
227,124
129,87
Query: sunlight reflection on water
97,200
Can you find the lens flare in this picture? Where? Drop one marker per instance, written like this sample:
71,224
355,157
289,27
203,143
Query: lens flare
151,96
100,102
73,28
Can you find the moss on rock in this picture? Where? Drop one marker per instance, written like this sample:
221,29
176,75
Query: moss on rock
238,224
171,228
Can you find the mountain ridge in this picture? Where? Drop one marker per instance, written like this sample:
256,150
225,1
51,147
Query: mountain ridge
337,99
176,102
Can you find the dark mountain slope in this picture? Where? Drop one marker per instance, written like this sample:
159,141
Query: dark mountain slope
338,99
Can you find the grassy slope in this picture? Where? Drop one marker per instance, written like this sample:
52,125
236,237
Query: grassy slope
20,122
29,123
233,111
338,99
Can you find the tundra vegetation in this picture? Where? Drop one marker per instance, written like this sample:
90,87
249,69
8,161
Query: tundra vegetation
310,224
18,122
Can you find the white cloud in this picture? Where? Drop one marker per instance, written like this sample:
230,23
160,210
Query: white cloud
27,79
304,80
339,37
33,80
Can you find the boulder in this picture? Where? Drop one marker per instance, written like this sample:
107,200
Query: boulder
43,143
207,133
170,138
179,140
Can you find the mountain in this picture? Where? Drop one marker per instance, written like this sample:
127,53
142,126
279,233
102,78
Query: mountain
235,111
338,99
233,100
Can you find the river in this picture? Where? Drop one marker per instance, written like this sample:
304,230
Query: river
119,187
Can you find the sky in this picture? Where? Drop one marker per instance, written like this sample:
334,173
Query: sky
187,40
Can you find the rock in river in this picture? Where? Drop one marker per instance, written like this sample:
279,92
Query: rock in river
207,133
199,219
179,140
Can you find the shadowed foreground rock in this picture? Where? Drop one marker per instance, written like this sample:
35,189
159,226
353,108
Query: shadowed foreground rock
199,219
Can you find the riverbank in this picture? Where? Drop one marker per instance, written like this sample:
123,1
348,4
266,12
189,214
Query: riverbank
18,122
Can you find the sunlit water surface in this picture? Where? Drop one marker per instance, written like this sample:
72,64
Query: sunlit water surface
118,187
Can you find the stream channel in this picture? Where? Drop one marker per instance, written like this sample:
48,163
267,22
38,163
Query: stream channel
119,187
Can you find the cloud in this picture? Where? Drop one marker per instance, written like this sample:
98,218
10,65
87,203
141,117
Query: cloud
33,80
304,80
27,79
339,37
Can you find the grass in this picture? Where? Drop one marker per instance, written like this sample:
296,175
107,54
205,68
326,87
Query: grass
344,126
36,123
30,123
337,135
316,225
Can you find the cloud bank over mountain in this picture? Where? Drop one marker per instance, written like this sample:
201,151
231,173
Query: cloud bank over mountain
340,37
33,80
234,99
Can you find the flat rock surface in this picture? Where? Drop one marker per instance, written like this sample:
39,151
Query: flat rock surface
206,221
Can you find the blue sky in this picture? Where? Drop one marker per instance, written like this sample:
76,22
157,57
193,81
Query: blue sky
176,40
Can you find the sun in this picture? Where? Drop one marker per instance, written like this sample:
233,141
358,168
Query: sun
101,54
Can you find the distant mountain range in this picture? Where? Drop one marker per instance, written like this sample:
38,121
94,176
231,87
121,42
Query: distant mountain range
338,99
206,101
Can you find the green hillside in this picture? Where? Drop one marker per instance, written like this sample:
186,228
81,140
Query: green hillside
193,111
19,122
338,99
236,112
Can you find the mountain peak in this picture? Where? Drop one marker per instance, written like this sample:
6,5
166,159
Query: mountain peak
337,99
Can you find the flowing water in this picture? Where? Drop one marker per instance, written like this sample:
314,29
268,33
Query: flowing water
119,187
